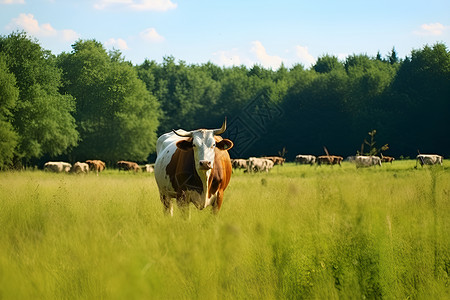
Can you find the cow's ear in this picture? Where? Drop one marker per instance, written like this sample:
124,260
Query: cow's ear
225,144
184,145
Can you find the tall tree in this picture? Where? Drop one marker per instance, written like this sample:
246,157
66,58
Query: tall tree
116,115
42,116
8,98
420,98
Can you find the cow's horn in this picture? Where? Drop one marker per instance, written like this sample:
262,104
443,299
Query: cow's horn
221,129
182,134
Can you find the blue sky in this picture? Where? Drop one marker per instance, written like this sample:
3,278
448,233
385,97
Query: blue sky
233,32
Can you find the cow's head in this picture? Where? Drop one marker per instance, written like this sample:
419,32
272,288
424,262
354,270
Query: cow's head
204,143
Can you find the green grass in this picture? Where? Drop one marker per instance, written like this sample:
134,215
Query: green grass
297,232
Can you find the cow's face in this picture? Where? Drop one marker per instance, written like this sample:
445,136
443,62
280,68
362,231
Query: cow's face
204,144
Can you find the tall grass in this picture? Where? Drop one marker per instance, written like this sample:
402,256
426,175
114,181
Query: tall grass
298,232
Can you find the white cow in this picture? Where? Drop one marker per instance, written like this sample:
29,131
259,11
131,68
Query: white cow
80,167
305,159
239,163
367,161
429,159
256,164
57,166
149,168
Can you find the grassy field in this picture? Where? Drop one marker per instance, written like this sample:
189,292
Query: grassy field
298,232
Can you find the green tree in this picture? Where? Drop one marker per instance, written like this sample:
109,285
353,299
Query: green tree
327,63
420,99
42,116
393,58
188,94
9,94
116,115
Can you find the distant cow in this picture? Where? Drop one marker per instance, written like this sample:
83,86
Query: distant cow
80,167
367,161
329,160
305,159
239,163
96,165
388,159
277,160
429,159
149,168
57,166
128,166
259,164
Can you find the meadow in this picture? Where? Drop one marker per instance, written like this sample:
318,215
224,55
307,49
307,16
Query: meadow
299,232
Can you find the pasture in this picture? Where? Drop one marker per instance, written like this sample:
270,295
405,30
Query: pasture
299,232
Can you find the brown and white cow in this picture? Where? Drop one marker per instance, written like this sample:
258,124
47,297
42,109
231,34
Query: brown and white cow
193,166
128,166
329,160
96,165
428,159
277,160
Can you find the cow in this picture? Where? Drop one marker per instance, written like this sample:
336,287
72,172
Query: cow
277,160
96,165
80,167
388,159
367,161
149,168
305,159
128,166
57,166
239,163
256,164
428,159
193,167
329,160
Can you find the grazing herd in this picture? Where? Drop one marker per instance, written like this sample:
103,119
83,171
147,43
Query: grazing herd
257,164
195,167
250,165
96,166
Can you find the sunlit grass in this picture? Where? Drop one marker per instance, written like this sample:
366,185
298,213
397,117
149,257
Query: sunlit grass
297,232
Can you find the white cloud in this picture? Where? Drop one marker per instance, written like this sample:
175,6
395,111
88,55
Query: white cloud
28,23
140,5
12,1
117,43
151,35
266,60
305,57
433,29
228,58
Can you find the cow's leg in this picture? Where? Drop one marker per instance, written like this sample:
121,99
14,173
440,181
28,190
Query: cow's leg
218,203
168,205
183,204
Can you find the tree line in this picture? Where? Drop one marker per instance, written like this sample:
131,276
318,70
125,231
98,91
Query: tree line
94,104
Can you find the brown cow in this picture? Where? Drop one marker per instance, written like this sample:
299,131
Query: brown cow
277,160
388,159
128,166
96,165
193,167
329,160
